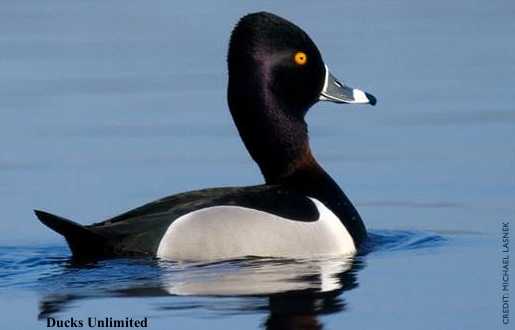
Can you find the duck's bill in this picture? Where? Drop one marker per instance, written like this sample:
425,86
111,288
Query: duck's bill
336,91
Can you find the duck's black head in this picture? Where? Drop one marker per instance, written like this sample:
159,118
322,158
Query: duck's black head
280,58
276,73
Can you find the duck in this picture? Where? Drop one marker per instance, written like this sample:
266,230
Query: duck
275,75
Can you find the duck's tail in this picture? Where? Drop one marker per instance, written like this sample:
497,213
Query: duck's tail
82,241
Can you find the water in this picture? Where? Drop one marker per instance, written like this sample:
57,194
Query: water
279,292
107,105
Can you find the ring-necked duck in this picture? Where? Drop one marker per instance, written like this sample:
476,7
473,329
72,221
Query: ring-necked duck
276,74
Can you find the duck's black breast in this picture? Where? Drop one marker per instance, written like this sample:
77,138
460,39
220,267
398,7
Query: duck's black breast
140,231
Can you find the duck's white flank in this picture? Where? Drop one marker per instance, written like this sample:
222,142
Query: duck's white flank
225,232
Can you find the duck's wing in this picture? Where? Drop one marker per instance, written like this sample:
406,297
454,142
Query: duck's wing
139,231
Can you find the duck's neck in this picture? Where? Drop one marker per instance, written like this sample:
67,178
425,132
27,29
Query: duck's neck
278,142
308,177
274,130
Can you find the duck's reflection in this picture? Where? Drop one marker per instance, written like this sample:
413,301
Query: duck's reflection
296,291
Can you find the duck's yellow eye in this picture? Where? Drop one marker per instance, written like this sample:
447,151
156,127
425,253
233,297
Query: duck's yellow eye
300,58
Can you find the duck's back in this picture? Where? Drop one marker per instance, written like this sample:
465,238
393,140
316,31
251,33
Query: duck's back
214,223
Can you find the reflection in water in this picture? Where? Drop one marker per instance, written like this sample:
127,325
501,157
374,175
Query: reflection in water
261,276
294,293
301,310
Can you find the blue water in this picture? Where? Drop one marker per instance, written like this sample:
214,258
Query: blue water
278,290
106,105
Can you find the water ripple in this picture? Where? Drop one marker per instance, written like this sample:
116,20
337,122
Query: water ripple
50,269
384,241
246,285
